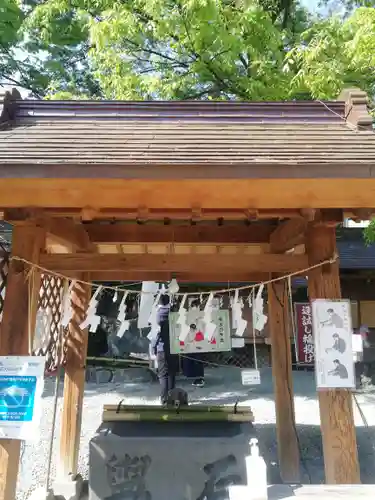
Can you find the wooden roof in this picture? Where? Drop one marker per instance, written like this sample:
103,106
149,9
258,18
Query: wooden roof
182,133
210,160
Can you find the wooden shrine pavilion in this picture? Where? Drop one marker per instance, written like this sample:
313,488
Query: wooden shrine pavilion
200,191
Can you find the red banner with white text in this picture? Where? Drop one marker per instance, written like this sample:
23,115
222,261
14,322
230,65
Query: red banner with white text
304,334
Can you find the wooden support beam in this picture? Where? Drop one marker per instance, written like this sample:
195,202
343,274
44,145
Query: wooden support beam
281,355
118,233
61,230
288,234
67,232
197,263
74,382
28,241
336,406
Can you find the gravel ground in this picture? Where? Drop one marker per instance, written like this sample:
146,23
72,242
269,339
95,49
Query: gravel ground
223,386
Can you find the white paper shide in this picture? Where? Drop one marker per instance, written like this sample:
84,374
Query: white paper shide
332,326
21,389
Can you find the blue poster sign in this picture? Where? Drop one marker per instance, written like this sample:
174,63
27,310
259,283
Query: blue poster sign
17,394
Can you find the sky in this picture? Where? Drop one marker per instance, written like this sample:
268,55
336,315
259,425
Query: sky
310,4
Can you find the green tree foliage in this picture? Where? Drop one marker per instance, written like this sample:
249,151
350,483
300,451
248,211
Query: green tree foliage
186,49
167,49
11,18
335,53
369,233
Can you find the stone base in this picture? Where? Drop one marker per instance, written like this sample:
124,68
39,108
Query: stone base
170,460
68,488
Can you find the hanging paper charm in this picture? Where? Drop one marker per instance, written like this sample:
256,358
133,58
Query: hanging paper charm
67,310
238,323
124,323
173,287
149,288
92,318
209,325
259,318
42,329
153,319
182,321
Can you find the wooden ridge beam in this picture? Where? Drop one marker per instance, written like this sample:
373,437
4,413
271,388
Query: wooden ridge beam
197,263
152,233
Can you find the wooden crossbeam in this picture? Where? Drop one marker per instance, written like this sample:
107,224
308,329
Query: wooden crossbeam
195,264
219,276
151,233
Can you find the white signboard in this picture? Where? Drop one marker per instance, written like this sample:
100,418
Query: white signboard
250,377
21,388
197,339
332,326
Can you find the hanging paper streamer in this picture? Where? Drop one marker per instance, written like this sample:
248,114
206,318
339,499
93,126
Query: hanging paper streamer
115,296
250,300
149,289
233,301
182,321
210,326
239,324
92,318
259,318
153,319
124,323
67,310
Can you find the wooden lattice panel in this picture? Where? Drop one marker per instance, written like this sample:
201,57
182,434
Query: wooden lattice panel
50,297
241,358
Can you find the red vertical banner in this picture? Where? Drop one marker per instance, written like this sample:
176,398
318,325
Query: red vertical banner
304,333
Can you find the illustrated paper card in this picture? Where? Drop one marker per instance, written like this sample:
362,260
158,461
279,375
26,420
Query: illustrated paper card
21,389
197,337
332,326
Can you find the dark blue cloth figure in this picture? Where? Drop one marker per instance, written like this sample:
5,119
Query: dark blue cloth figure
161,343
167,362
193,367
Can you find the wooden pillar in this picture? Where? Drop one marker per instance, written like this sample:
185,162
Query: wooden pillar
28,241
281,358
74,381
336,408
